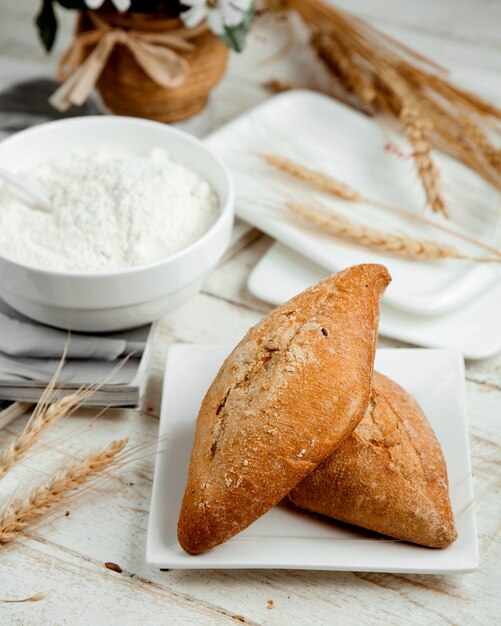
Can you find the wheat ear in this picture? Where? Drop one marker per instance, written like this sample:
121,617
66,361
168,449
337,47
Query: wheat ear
394,74
324,182
341,63
313,177
35,428
42,499
45,415
417,130
338,59
406,247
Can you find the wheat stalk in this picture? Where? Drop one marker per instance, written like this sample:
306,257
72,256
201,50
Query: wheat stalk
386,99
42,499
450,141
338,59
418,136
476,136
45,415
449,91
457,134
417,129
341,63
374,46
449,137
404,89
330,185
399,245
41,421
313,177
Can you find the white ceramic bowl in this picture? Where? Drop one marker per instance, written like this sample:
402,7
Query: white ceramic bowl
115,300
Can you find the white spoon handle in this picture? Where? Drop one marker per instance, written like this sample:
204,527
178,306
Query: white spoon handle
34,190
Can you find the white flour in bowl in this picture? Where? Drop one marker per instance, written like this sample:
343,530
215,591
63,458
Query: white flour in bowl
109,212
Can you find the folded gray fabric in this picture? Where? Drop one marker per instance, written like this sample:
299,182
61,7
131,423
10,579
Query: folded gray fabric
22,338
73,373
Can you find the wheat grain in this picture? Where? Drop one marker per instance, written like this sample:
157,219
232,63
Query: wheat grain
406,247
324,182
34,598
313,177
277,85
43,498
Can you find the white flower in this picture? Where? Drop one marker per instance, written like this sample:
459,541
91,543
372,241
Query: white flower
219,13
120,5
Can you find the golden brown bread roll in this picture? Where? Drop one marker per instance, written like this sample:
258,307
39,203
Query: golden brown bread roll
389,475
266,421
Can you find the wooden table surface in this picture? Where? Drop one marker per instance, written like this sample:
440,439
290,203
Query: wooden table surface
65,557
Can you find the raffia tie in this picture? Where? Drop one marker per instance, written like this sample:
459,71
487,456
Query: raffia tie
156,53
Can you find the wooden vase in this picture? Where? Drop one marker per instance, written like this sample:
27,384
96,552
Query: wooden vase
125,88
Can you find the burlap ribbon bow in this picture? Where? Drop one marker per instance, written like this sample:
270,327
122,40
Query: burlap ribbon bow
155,53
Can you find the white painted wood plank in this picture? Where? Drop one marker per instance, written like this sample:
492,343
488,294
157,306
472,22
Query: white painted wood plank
66,557
229,281
82,592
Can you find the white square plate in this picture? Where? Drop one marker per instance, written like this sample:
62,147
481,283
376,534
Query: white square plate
287,537
324,134
473,328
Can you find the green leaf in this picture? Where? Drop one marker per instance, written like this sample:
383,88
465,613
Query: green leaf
235,36
46,23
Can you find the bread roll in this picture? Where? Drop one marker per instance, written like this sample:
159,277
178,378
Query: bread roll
389,475
267,419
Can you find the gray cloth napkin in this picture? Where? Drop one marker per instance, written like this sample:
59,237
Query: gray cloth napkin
31,352
74,372
19,338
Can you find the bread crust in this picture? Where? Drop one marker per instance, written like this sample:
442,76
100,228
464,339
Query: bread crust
267,419
389,475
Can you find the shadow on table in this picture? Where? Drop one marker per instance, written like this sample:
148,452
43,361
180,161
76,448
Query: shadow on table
26,104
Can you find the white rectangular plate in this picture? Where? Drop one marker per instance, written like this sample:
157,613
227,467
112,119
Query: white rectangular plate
329,136
473,329
289,538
